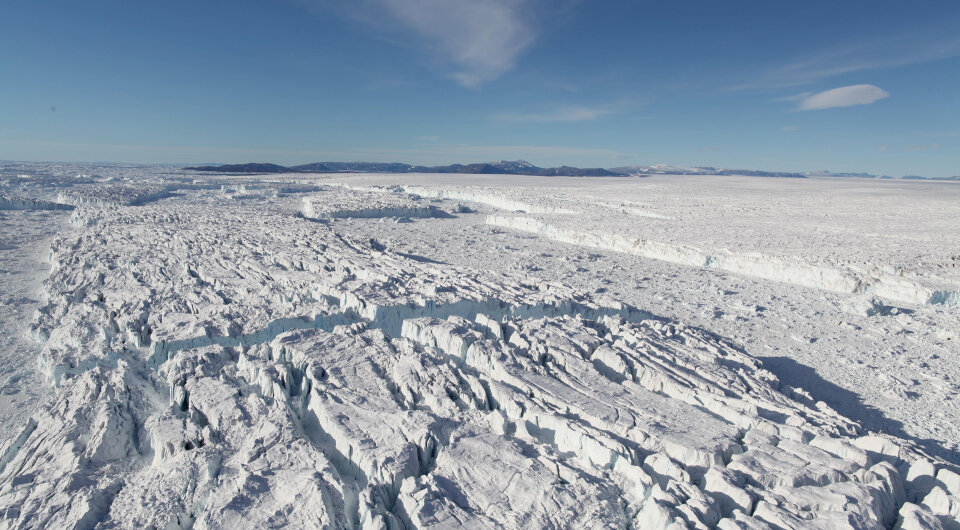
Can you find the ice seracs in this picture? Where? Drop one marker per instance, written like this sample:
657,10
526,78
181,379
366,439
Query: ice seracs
112,195
224,363
781,269
248,365
8,202
336,204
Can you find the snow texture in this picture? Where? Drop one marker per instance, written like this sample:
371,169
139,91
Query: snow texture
754,264
112,195
345,204
215,359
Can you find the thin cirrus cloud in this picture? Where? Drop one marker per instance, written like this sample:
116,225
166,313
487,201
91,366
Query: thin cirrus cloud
570,114
883,52
910,148
846,96
922,147
479,40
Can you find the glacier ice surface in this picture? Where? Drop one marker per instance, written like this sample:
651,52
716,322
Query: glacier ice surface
215,358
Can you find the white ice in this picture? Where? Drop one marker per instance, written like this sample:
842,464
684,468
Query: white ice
529,352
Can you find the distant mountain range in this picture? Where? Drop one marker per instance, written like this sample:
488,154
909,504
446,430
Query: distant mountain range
663,169
243,168
918,177
504,167
825,173
521,167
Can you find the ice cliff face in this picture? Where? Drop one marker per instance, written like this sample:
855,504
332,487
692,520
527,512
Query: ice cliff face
238,366
489,198
8,202
113,195
780,269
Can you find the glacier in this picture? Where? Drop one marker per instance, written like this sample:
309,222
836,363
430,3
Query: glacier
214,356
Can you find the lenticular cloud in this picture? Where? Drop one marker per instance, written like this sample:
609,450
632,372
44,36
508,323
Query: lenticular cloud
843,97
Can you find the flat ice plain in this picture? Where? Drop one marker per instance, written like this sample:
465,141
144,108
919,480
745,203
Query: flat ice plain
415,351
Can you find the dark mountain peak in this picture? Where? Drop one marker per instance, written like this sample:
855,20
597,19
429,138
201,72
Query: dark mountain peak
261,167
514,165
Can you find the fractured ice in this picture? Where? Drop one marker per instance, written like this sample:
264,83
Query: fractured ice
8,202
338,204
241,365
830,278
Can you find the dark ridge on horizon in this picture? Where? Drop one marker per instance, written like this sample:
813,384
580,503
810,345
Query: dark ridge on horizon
521,167
518,167
243,168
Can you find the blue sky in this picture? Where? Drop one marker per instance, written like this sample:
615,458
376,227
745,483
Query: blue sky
867,85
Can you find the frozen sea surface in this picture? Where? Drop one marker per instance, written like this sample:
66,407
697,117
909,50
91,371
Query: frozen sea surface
407,351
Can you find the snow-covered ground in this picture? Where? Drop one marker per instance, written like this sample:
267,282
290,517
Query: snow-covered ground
518,352
24,244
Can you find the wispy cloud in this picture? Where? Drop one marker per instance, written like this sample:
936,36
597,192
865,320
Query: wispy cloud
480,39
568,114
922,147
847,96
795,97
882,53
910,148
